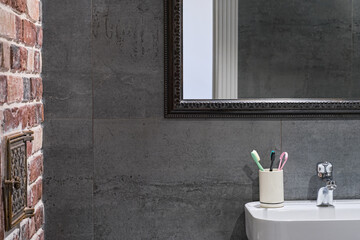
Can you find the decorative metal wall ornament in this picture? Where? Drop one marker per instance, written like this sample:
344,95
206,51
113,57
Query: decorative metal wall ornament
15,185
177,107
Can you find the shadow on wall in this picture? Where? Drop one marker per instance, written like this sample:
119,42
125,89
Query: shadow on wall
239,229
254,177
238,232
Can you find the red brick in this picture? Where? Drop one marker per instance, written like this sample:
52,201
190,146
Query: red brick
41,235
23,58
40,9
38,139
33,9
36,117
35,168
19,29
31,116
35,193
12,119
7,26
15,89
5,56
1,54
19,5
32,230
27,116
24,230
29,148
5,1
15,57
30,61
29,33
39,217
24,116
37,62
26,83
40,112
36,88
3,89
15,235
39,37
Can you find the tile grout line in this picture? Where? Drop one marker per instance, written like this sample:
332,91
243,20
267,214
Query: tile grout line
92,121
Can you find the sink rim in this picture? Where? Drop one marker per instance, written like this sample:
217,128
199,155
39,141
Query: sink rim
254,207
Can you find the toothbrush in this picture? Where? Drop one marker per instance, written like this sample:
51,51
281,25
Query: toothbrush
272,157
256,158
286,155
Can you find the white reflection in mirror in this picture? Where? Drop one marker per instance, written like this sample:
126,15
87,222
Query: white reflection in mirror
210,49
197,49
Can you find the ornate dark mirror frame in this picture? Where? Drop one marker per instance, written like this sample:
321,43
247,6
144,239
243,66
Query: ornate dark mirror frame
177,107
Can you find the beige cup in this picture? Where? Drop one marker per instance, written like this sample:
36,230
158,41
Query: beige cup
271,186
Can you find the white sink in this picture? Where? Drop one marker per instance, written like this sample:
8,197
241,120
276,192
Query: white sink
303,220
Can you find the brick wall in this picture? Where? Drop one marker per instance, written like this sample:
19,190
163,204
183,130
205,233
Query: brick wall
21,104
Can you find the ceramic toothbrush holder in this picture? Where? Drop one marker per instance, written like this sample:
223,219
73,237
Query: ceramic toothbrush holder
271,186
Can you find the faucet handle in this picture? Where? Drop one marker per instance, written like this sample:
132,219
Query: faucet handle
324,170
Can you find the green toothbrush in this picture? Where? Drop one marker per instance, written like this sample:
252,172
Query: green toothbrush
256,158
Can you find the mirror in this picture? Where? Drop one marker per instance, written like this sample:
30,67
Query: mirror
235,49
244,58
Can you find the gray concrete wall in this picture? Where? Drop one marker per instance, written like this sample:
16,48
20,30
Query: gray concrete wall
116,169
298,49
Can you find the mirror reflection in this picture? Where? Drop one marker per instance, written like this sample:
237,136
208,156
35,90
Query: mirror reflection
238,49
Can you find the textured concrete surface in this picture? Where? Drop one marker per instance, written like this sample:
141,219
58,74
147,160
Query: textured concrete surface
116,169
68,168
166,179
68,179
69,95
296,49
127,40
310,142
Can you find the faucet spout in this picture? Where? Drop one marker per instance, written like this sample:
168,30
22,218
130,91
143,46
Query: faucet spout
325,194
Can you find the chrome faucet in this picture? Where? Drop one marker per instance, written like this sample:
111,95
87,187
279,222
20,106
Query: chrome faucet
325,194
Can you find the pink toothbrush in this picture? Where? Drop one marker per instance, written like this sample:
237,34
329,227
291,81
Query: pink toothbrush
281,158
